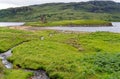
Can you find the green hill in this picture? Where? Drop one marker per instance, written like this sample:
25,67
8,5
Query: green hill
100,10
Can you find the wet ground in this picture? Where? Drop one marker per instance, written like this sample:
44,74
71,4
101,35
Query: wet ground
37,74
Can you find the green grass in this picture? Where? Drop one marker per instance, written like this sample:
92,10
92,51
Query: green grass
71,23
1,70
106,64
9,38
62,55
72,55
16,74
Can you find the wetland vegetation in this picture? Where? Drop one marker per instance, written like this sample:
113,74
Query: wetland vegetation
63,55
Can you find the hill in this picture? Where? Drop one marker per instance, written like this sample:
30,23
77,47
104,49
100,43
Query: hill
100,10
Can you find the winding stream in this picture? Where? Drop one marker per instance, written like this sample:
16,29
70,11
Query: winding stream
4,57
37,74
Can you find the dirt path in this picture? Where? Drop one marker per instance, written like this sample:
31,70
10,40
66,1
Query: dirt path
33,29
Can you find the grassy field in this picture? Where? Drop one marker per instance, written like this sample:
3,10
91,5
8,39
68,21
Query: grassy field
71,23
65,55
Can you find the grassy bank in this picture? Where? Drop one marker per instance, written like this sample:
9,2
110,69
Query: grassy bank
71,23
9,38
1,70
13,74
62,55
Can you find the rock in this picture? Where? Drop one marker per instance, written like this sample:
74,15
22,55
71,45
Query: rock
50,35
80,49
41,38
40,74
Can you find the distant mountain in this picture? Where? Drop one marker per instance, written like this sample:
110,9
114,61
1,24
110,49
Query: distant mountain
103,10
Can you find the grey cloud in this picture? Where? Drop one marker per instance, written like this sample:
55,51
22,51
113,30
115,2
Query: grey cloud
31,2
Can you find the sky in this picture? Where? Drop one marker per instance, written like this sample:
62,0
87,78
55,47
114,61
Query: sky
17,3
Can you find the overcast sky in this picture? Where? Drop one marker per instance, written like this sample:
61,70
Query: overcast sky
17,3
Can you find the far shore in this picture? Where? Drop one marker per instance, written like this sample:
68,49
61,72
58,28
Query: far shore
70,23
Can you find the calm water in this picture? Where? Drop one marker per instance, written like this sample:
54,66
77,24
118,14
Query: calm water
114,28
4,24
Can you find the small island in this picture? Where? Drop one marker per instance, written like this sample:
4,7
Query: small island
70,23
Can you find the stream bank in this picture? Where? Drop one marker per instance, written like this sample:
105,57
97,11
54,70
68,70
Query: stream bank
37,74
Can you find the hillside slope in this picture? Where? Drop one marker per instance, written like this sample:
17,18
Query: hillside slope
101,10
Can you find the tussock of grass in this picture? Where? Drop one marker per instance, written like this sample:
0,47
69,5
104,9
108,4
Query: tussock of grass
14,73
17,74
71,23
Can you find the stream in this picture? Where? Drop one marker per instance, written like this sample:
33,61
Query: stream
37,74
4,57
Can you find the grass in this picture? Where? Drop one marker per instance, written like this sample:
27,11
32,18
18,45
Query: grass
68,56
71,23
1,70
62,55
16,74
13,74
9,38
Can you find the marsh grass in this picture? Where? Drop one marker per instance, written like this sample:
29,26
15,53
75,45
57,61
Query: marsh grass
17,74
9,38
62,55
14,73
62,59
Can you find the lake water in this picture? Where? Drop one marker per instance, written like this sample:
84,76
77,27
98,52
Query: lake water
4,24
114,28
